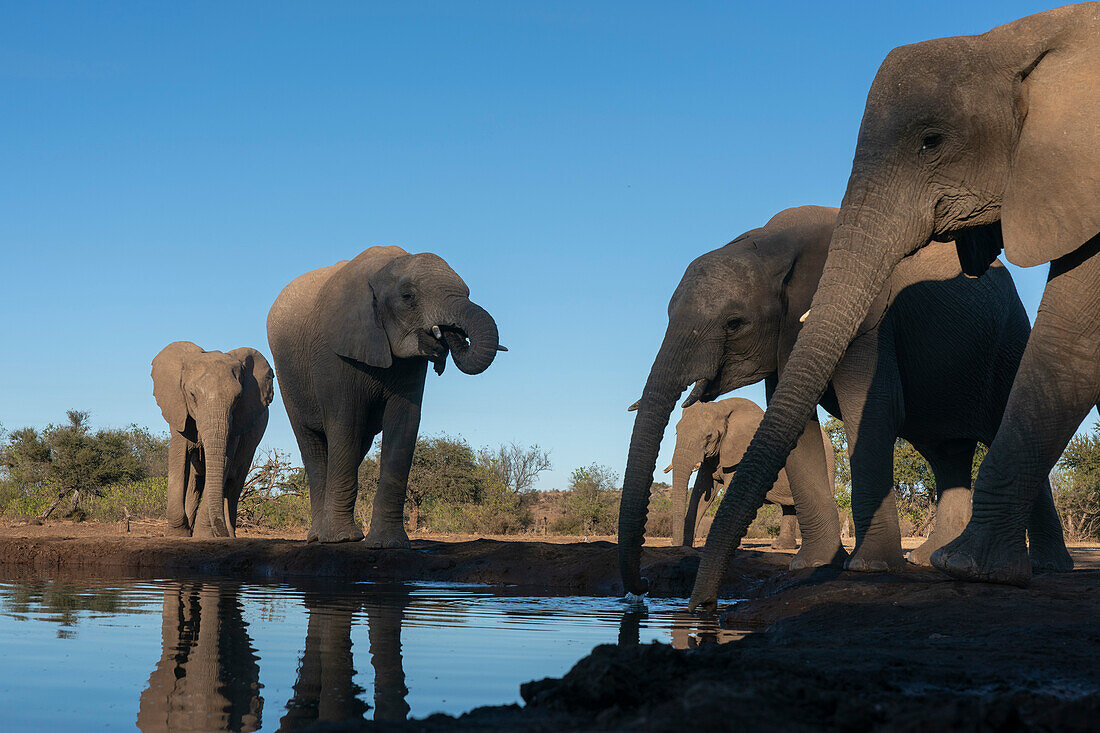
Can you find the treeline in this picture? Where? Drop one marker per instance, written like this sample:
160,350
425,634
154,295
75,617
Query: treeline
71,471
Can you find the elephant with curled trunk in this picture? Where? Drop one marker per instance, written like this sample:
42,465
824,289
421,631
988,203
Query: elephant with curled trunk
933,363
216,407
351,344
711,437
992,141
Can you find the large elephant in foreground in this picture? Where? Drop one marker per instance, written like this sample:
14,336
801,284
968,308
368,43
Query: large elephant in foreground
351,344
711,437
216,407
933,363
992,141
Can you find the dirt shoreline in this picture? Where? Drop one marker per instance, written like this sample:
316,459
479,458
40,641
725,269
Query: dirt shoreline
834,650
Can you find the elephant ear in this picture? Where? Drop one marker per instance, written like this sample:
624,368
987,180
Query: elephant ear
348,311
168,382
255,363
1051,204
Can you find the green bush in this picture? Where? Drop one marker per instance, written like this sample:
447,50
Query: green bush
591,505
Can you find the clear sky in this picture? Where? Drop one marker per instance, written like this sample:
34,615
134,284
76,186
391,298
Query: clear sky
166,168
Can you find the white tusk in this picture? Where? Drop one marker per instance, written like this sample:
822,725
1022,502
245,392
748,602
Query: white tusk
437,333
804,317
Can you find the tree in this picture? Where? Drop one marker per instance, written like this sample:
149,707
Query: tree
591,503
271,476
444,469
1076,485
514,467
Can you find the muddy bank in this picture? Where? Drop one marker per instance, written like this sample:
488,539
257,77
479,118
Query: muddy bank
581,568
899,652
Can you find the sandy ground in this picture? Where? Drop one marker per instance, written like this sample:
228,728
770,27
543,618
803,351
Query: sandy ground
825,649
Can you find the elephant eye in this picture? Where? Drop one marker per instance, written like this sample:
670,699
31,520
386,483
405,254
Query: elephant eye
931,142
734,323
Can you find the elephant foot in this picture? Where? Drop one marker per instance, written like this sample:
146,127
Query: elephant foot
867,560
816,556
1049,557
986,553
387,538
939,537
784,543
183,531
340,532
314,533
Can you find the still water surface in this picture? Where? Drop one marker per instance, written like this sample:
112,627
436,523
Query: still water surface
225,655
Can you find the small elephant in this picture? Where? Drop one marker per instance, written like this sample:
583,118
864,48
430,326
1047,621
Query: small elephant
933,363
992,141
711,437
207,678
216,407
351,344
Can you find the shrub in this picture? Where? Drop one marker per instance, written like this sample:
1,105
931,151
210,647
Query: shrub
591,504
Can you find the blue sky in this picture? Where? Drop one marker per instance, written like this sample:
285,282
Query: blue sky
167,168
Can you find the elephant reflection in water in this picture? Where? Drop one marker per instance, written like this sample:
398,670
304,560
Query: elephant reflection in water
688,631
207,678
325,689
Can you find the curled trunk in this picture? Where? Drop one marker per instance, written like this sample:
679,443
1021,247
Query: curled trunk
474,353
862,255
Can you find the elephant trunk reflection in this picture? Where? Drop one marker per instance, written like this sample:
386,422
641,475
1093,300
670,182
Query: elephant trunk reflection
207,678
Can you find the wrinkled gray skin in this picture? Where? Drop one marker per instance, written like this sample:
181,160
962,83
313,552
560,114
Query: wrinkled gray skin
711,437
992,141
216,407
933,363
207,678
351,344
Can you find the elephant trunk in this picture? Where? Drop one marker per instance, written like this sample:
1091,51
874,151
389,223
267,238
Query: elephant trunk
666,382
215,439
474,356
864,250
682,468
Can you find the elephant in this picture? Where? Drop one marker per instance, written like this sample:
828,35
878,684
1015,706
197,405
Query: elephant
325,690
933,363
215,405
208,676
712,437
992,141
351,344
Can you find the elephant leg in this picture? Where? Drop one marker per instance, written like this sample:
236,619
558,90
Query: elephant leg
950,464
196,481
345,453
788,529
178,475
384,631
697,503
811,485
1055,387
240,463
872,417
1046,543
400,424
314,449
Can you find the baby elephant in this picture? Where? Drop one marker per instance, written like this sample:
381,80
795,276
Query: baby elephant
352,343
216,407
712,437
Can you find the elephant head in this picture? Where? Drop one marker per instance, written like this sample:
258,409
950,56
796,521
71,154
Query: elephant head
727,320
208,397
388,304
990,140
